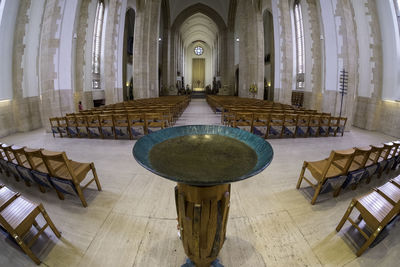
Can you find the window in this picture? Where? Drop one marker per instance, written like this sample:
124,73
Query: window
299,36
96,49
198,50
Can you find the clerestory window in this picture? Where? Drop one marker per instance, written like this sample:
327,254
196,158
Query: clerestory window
299,38
96,49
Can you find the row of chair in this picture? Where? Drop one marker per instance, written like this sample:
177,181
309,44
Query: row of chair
47,169
270,125
217,103
118,126
18,215
349,167
376,210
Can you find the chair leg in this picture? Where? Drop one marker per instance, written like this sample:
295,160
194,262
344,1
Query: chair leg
26,249
49,221
317,190
345,216
337,191
96,178
368,242
59,194
80,194
303,169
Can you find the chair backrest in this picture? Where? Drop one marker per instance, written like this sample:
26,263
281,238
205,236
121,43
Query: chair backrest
71,121
120,120
277,119
93,120
81,120
136,119
303,120
9,155
334,121
290,119
19,155
62,121
51,157
395,149
53,122
340,159
34,158
361,155
376,151
243,119
325,120
387,148
106,120
315,120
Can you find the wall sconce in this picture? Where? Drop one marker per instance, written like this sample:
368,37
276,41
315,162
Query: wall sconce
237,39
269,84
159,39
127,84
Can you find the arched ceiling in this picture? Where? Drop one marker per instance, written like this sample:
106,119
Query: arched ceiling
198,27
220,6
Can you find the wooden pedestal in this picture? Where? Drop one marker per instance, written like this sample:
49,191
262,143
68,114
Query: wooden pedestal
202,217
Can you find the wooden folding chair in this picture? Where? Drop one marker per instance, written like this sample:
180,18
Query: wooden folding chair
94,127
372,166
11,162
6,196
154,122
23,167
390,191
397,156
39,171
121,125
3,161
384,159
275,127
313,126
260,124
342,125
81,125
18,218
324,126
243,121
392,157
375,210
333,170
107,126
66,175
137,125
289,125
303,122
62,126
357,170
54,126
333,125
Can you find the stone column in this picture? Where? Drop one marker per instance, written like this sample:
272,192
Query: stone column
82,45
154,23
284,93
54,102
315,100
114,16
26,110
348,55
251,49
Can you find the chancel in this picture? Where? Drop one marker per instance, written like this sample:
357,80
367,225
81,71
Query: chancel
99,98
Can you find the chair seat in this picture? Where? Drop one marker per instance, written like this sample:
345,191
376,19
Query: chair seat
80,170
374,204
391,191
17,212
317,167
6,196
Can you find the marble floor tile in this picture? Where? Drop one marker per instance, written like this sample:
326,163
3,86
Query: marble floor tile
132,222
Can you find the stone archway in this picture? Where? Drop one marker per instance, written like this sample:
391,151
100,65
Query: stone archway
222,28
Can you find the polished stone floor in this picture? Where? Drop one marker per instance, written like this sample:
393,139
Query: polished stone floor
132,222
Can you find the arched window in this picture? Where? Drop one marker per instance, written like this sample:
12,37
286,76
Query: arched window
96,49
299,36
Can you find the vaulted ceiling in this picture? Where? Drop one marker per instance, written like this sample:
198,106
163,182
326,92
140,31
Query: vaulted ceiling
199,27
220,6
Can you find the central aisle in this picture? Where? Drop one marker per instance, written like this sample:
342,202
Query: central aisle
198,113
